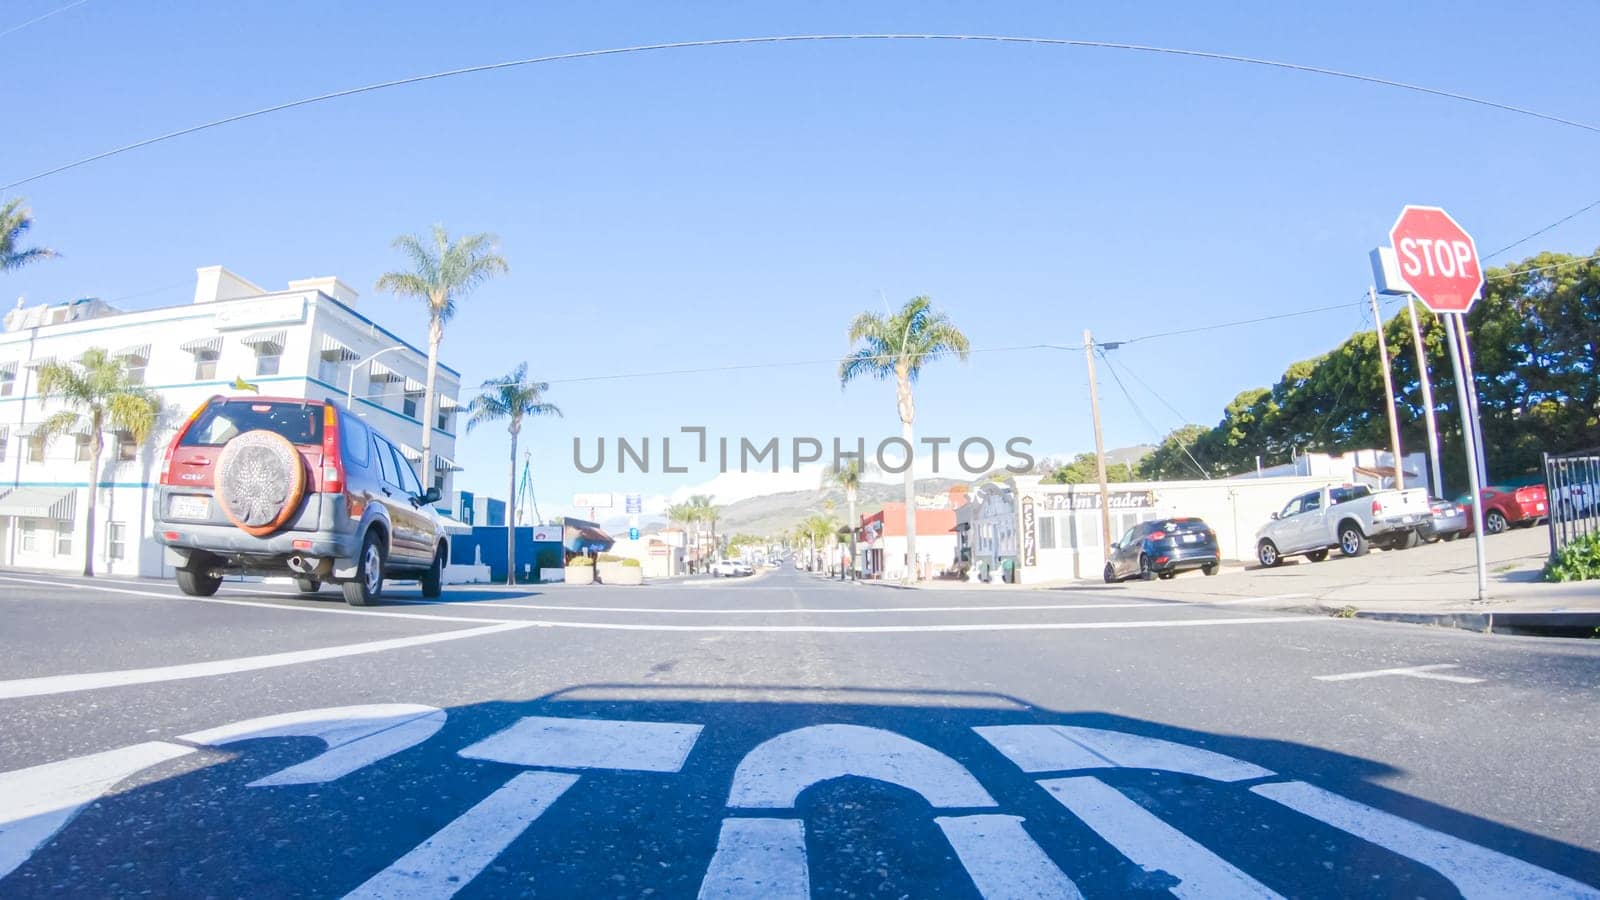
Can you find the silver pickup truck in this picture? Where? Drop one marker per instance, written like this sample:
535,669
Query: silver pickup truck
1352,518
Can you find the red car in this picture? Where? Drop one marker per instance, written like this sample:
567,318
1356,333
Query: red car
1505,507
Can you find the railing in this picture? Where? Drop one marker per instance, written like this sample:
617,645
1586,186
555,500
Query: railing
1572,486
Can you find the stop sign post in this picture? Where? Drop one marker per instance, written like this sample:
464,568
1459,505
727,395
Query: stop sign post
1438,261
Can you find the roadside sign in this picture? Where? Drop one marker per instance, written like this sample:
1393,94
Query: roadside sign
1437,259
633,534
634,503
592,501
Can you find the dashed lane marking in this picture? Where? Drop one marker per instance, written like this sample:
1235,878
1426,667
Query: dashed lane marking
1428,672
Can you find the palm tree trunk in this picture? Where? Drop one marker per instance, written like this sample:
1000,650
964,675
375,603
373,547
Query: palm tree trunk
850,499
435,335
907,415
95,446
511,511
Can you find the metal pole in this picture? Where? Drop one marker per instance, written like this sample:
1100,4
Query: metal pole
1468,438
1472,397
1427,397
1388,392
1099,448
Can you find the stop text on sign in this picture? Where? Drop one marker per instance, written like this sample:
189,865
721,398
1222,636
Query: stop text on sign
1437,259
1420,256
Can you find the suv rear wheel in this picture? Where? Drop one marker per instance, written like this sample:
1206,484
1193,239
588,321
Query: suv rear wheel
198,583
365,588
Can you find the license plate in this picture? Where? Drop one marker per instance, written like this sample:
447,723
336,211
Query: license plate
1191,539
181,507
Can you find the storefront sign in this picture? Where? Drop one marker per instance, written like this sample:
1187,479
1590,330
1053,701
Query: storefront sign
549,533
1091,500
1030,534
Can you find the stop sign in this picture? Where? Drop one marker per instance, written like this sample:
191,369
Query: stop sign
1437,259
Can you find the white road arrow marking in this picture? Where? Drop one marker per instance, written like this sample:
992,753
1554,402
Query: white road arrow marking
773,775
356,736
37,802
1477,872
758,859
1065,748
1003,861
589,744
1429,672
458,852
1150,843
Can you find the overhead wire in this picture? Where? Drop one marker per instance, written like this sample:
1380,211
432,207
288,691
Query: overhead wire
1140,412
40,18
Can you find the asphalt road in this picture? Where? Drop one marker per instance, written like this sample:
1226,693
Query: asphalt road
775,737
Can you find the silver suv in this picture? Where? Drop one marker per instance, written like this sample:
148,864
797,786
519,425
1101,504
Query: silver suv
272,486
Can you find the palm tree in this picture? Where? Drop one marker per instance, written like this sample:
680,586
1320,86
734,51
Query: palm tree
848,476
704,512
682,514
15,220
97,395
440,275
899,344
510,399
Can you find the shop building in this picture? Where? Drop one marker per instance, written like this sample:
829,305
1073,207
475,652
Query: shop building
882,540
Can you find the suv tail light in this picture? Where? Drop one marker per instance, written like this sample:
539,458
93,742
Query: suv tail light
332,457
172,445
1157,535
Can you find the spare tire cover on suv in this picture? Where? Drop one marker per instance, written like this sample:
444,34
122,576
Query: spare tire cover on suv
260,481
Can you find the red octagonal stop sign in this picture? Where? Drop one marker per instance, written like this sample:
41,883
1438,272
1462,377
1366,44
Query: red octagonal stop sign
1437,259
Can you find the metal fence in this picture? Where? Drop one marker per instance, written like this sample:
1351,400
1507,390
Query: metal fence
1572,485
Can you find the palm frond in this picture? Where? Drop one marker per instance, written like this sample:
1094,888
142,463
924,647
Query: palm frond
59,423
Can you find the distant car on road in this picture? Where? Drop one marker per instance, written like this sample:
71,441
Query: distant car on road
1162,548
287,486
1447,522
1352,518
1508,507
728,568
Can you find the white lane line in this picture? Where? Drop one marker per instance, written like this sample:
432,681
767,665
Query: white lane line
88,681
455,854
1152,844
37,802
356,736
1477,872
559,743
1003,861
777,771
786,610
1428,672
1273,598
758,859
1064,748
907,629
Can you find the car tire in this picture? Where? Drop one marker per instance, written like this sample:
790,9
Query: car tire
1267,554
367,586
1447,538
1318,555
1166,576
1494,522
1352,542
1110,574
1144,569
307,585
1211,569
197,583
432,580
1405,541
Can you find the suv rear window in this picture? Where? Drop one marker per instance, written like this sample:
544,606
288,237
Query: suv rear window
1185,526
299,423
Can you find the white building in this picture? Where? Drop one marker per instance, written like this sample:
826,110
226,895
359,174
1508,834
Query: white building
306,341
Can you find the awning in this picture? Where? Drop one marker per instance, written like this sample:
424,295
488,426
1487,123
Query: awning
39,503
377,371
9,369
141,352
448,403
333,349
445,464
203,345
266,341
411,453
414,386
40,362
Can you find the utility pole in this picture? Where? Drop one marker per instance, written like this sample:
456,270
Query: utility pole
1427,398
1388,391
1099,447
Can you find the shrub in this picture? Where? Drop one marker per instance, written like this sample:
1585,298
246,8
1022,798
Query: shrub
610,557
1577,561
630,563
580,561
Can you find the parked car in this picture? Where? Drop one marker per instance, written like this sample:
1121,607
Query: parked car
1447,522
1507,507
1162,548
286,486
728,568
1352,518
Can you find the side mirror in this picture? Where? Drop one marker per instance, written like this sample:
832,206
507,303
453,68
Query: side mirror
429,497
1274,515
1116,546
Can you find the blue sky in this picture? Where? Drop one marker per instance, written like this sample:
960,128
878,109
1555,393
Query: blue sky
739,205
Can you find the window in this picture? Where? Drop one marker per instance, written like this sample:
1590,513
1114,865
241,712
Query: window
134,367
30,536
5,437
438,482
409,404
353,439
35,448
1047,532
8,381
386,460
81,449
63,538
127,447
1346,494
409,480
1086,527
268,359
334,371
1310,503
1128,537
1292,508
299,423
205,365
444,419
116,540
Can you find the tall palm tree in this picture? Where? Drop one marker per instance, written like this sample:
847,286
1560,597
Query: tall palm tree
15,220
683,515
703,513
848,477
442,272
898,345
98,396
511,399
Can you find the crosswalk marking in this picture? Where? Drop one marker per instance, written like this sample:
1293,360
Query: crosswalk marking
560,743
455,854
1152,844
356,736
1428,672
1003,861
1065,748
758,859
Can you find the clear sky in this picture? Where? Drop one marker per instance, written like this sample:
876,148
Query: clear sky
738,205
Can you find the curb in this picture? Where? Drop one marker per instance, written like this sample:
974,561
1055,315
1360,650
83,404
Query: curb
1537,624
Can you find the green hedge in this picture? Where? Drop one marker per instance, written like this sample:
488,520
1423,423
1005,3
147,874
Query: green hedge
1577,561
580,561
630,563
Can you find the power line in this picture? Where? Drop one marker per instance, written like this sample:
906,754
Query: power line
1140,413
1272,318
1561,221
40,18
797,38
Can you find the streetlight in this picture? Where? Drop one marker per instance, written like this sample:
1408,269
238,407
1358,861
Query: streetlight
350,390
